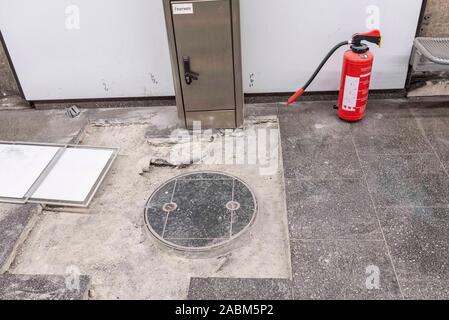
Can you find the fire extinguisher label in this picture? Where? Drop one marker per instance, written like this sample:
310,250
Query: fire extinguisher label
351,93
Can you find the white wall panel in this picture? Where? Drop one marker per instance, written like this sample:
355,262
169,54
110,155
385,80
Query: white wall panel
121,50
283,41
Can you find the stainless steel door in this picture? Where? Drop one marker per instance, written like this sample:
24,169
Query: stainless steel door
203,33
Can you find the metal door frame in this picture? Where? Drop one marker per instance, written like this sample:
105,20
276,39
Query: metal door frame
237,58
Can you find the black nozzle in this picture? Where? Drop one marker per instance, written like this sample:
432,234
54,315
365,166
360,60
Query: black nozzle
373,36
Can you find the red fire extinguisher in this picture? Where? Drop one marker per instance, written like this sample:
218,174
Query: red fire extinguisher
356,76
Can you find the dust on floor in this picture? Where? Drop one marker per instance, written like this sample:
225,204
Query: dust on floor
112,244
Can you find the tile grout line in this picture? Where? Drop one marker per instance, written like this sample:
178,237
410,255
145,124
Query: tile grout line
168,213
377,216
445,206
396,154
284,195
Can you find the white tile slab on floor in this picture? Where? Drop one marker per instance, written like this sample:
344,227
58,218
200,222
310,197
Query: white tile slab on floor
52,174
74,176
20,166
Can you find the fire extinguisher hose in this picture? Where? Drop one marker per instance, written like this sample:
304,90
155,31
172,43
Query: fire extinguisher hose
301,91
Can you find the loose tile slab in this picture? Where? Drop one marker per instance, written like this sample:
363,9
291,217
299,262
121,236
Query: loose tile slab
406,180
419,246
21,167
41,287
342,270
239,289
331,209
320,158
15,223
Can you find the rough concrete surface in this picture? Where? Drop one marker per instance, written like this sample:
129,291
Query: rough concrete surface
112,243
49,126
29,125
431,88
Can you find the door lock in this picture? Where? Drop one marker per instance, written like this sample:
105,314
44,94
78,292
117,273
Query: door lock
189,75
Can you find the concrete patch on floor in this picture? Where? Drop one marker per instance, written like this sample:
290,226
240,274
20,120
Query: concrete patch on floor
111,242
430,89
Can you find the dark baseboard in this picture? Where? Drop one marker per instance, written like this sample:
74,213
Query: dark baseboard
170,101
106,103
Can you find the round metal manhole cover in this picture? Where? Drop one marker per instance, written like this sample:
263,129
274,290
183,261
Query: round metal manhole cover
200,211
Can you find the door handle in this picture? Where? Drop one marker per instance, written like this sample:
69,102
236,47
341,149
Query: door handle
189,75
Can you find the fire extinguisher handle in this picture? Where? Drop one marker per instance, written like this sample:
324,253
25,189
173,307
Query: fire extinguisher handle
373,36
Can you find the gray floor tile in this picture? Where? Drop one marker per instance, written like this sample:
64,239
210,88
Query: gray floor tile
384,143
311,120
341,269
43,126
441,147
434,122
15,223
320,158
406,180
389,129
239,289
419,246
331,209
41,287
